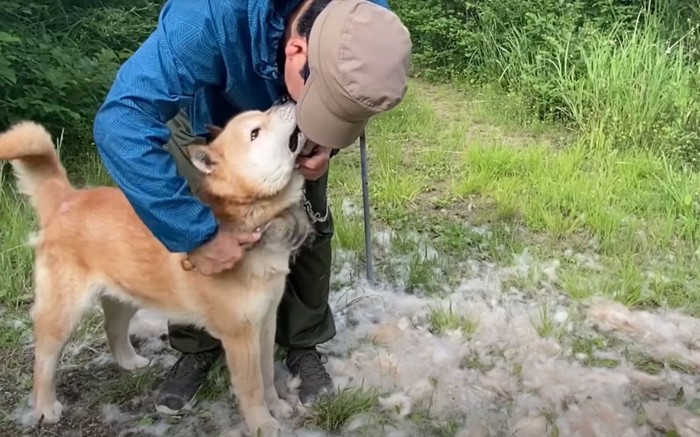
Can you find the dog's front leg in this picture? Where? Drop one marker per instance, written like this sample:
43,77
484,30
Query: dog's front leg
243,357
279,407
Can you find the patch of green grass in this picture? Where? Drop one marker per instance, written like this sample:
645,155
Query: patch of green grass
413,157
645,279
588,345
424,274
475,362
218,382
92,173
646,363
643,361
641,92
449,319
431,426
580,190
545,325
349,233
130,385
464,168
16,224
612,199
331,413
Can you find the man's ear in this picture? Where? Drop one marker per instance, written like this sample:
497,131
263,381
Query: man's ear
295,46
201,158
214,131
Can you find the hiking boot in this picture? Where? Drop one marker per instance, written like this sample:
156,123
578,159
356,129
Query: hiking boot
308,365
185,378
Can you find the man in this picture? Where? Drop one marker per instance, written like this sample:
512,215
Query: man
342,61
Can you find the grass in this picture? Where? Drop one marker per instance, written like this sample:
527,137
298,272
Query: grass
633,209
449,319
15,261
587,345
332,413
544,323
639,93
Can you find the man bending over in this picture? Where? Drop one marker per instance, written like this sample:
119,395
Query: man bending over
342,61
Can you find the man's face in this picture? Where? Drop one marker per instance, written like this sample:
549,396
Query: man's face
295,61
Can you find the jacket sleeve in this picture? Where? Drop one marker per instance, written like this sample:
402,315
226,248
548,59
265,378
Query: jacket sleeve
383,3
179,57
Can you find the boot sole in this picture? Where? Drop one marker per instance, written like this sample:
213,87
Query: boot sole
163,409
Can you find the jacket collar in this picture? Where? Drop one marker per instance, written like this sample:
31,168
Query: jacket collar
267,20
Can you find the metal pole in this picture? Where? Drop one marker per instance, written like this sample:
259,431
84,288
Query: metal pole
365,204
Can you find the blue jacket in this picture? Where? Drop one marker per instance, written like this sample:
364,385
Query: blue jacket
213,58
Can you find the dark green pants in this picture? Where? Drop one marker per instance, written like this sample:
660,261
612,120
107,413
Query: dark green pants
304,318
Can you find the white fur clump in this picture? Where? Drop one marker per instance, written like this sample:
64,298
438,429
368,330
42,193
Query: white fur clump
111,413
668,336
504,378
350,209
398,404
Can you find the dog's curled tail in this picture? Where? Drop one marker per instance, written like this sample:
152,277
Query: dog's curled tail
29,148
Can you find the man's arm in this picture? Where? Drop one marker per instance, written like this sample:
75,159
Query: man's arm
161,77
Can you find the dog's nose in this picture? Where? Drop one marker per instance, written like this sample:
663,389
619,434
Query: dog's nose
284,99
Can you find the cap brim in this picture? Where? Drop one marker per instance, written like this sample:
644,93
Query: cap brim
319,124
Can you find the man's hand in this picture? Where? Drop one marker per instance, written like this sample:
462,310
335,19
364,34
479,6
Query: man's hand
314,164
222,253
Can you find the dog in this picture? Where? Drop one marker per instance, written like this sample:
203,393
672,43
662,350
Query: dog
92,246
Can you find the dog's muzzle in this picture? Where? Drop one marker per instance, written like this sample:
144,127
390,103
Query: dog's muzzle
294,140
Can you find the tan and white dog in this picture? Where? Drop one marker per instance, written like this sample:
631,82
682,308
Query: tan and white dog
92,245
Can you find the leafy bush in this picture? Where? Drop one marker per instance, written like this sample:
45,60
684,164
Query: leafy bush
58,59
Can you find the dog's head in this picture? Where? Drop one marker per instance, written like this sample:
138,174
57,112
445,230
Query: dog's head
253,156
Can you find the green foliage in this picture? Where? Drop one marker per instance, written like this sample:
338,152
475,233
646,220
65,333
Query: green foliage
624,72
59,57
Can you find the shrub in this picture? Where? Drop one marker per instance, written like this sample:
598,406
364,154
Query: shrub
58,59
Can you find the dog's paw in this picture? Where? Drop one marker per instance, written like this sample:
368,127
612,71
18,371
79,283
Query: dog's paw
133,362
281,409
269,428
50,413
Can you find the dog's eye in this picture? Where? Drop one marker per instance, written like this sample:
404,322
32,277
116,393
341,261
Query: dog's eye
254,133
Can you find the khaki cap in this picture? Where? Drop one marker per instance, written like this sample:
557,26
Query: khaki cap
358,54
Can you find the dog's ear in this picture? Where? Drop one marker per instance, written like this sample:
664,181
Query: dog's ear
201,158
214,131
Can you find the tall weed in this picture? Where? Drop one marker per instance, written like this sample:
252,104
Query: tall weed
622,72
634,89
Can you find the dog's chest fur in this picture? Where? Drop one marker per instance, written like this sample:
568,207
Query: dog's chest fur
284,227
